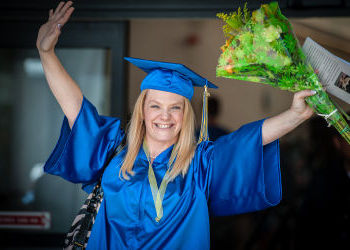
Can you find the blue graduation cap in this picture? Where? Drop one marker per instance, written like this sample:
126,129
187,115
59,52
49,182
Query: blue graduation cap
175,78
170,77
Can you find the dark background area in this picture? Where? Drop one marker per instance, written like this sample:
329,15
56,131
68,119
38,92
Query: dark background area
116,10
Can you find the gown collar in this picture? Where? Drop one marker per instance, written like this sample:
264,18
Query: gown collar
162,158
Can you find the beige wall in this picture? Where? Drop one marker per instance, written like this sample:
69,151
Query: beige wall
196,43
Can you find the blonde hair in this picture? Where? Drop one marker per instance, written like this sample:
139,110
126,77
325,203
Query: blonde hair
185,146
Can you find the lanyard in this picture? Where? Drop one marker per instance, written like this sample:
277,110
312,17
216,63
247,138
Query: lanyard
158,194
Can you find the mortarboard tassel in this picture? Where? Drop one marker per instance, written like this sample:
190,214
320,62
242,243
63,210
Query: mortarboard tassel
203,136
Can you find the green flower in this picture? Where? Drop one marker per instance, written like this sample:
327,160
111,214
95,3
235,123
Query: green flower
258,16
271,33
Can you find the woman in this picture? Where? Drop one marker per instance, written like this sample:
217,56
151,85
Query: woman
160,189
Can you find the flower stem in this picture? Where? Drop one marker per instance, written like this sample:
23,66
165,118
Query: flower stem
323,106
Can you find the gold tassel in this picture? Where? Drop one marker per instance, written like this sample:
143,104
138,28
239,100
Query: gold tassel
203,136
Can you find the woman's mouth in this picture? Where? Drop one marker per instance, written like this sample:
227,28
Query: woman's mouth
163,125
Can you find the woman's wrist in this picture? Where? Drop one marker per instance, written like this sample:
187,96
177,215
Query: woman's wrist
47,53
295,118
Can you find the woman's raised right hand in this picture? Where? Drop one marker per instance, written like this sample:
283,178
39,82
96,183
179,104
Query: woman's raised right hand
50,31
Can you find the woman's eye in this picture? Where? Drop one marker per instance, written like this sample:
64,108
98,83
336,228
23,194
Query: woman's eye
176,107
154,106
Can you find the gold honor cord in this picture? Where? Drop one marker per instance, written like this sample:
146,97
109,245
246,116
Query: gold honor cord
158,194
203,136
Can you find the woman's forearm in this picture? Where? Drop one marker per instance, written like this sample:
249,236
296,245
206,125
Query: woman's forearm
63,87
277,126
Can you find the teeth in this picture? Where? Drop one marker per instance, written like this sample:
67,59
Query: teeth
163,126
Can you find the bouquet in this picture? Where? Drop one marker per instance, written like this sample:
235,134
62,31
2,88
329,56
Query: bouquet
261,47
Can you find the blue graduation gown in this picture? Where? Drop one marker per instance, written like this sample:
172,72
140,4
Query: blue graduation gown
233,175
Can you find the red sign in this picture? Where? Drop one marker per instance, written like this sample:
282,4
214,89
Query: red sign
25,220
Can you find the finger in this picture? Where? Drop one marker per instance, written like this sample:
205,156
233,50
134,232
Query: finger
55,32
58,32
50,13
65,17
304,93
309,111
59,7
63,10
65,7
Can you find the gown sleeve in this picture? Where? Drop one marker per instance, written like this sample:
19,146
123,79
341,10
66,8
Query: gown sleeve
244,174
81,152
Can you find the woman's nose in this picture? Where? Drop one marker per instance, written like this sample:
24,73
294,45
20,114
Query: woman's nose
165,114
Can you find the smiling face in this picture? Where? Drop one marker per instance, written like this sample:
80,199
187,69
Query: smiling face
163,116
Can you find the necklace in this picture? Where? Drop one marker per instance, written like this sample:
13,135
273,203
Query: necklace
158,194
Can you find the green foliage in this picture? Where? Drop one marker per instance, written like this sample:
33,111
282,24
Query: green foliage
235,21
246,14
